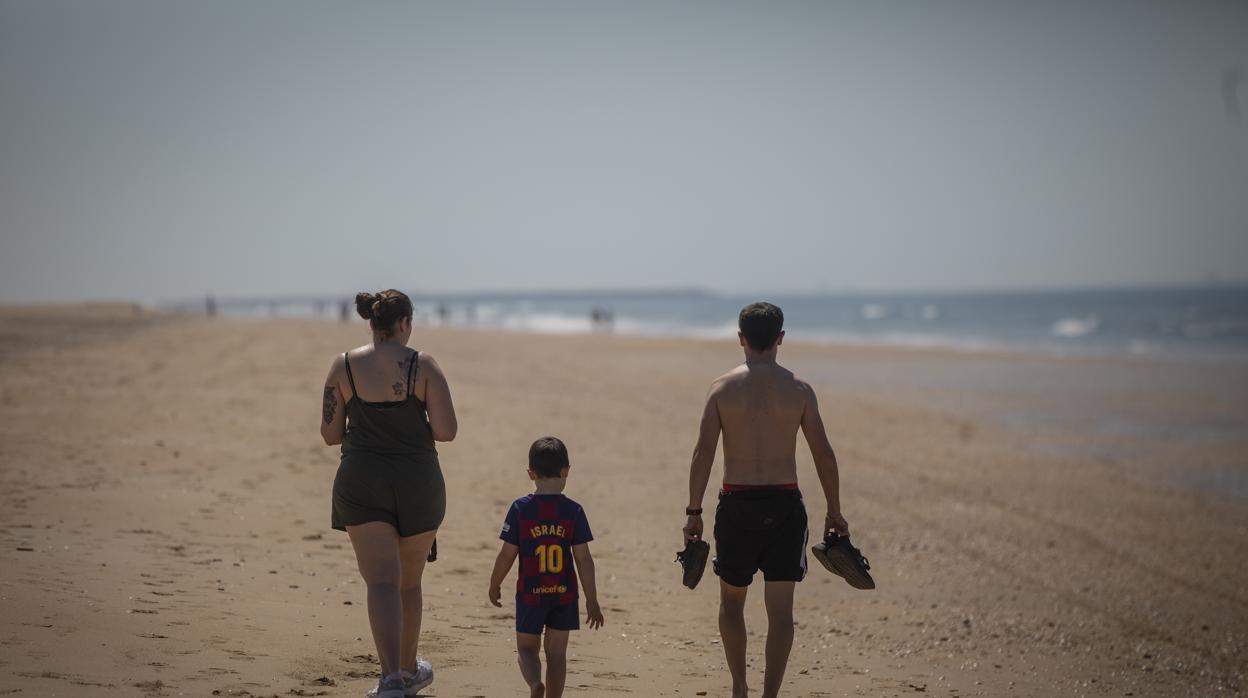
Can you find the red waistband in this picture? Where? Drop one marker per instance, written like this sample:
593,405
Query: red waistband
745,488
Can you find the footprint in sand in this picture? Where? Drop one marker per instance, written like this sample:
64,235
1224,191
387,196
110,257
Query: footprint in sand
613,675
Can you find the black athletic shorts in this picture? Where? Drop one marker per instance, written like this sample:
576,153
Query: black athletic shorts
760,530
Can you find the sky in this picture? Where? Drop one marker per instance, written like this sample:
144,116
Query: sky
155,151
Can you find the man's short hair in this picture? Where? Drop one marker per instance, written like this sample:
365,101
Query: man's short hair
761,323
548,457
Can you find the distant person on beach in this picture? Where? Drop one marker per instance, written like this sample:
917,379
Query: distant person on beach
760,521
547,531
387,404
601,319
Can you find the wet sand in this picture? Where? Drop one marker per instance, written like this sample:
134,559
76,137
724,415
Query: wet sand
1036,526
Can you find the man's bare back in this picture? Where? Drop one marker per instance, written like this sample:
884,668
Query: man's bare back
760,406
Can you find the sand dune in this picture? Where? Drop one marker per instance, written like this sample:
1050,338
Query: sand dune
165,519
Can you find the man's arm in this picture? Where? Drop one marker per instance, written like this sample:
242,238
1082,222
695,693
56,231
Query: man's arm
502,565
703,459
589,585
825,463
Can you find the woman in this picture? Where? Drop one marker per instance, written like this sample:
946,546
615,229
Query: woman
387,405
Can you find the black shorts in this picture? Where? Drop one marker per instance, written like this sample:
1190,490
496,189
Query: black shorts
532,619
760,530
405,493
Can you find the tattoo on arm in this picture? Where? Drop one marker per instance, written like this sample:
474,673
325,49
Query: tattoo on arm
330,405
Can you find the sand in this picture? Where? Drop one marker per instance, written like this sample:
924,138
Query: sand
1037,526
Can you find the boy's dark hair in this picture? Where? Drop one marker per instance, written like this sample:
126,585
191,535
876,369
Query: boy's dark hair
761,323
548,457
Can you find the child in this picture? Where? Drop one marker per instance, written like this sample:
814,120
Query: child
548,531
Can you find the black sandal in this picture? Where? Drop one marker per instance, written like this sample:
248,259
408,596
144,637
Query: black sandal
844,560
693,561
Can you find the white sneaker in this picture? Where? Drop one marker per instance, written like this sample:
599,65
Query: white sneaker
414,683
391,686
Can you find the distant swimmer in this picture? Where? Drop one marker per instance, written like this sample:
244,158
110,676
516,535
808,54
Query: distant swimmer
387,404
760,521
601,319
1233,79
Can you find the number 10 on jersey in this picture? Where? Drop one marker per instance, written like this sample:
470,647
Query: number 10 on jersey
549,559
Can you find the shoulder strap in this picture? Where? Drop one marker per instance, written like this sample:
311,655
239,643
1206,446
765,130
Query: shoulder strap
350,379
411,372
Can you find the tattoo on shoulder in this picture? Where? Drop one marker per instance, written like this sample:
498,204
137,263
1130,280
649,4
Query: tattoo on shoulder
399,386
330,405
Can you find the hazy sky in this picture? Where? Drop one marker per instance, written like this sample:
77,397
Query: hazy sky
160,150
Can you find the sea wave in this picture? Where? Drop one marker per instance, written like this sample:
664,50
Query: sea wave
1072,327
548,323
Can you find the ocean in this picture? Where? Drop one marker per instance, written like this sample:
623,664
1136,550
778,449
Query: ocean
1188,323
1209,323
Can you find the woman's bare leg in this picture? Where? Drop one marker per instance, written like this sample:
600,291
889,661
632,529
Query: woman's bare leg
377,553
413,552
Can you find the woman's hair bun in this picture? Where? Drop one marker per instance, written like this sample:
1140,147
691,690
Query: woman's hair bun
364,303
383,309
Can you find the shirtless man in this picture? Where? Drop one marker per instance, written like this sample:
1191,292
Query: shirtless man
760,522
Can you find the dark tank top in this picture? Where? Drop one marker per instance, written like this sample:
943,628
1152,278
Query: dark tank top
396,428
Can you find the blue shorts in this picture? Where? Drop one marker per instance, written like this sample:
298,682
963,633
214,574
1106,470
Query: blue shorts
531,619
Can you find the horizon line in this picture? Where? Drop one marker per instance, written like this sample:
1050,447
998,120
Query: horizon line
683,292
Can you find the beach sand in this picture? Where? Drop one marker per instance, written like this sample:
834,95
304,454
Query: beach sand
1037,526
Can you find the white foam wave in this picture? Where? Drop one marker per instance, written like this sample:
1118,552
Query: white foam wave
722,331
1072,327
873,311
488,312
548,323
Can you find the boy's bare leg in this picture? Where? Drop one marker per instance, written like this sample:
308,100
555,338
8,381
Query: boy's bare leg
413,553
779,599
529,653
732,632
556,662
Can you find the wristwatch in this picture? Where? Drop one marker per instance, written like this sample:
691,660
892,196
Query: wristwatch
690,511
